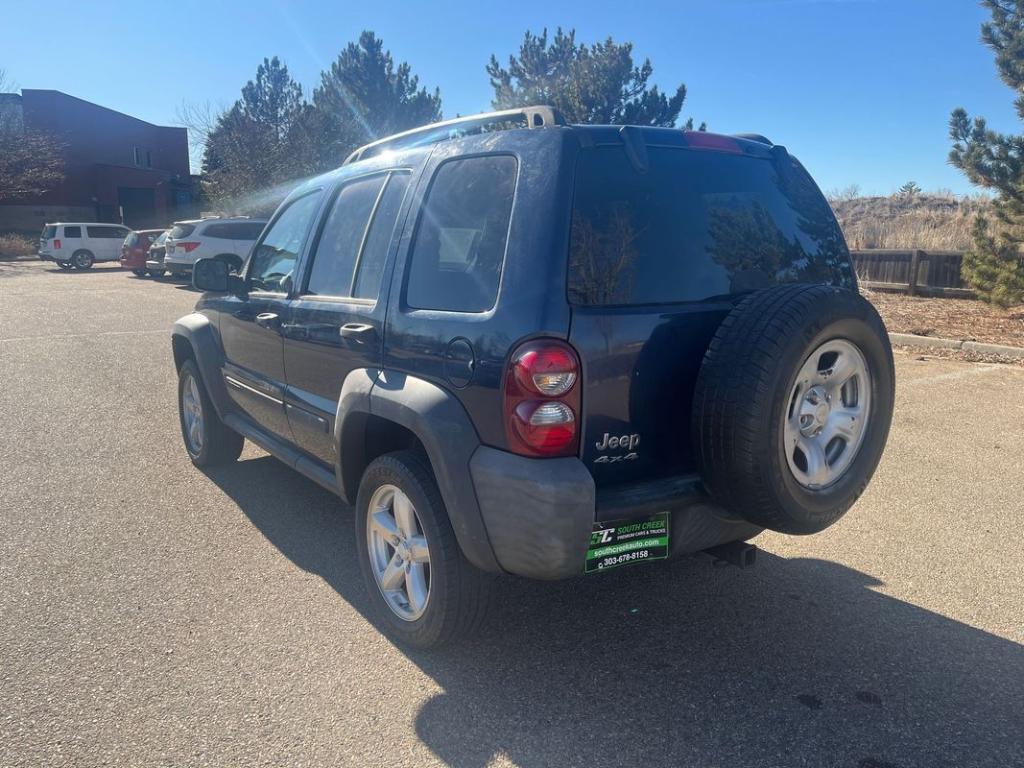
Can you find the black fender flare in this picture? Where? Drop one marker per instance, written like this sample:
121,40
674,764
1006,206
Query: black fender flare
201,335
439,422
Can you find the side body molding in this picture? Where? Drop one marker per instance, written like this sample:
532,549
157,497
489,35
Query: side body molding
440,423
197,331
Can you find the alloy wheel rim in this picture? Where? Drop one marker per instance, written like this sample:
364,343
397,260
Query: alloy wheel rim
81,260
827,414
399,555
192,413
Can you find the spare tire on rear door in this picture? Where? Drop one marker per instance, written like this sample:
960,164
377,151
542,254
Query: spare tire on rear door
792,406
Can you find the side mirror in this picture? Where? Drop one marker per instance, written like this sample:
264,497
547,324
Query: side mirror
210,275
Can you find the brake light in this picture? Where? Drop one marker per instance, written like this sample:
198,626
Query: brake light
188,247
56,244
715,141
542,400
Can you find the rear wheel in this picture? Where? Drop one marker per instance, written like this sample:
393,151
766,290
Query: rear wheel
207,439
792,406
82,259
424,591
139,272
157,273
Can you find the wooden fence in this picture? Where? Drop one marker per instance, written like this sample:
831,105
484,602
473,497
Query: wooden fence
925,273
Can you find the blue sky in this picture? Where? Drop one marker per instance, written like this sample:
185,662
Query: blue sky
860,90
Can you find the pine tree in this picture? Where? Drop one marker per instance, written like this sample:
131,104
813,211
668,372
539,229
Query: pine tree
995,266
258,143
364,96
596,83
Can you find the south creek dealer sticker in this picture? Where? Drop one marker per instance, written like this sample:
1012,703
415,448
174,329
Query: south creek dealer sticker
623,542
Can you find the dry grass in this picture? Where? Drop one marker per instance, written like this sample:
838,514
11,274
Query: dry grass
17,246
940,222
950,318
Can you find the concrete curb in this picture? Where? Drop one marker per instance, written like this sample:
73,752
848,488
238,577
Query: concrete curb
929,342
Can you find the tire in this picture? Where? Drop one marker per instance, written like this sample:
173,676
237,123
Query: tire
156,274
458,594
234,263
65,265
785,435
139,272
212,442
82,259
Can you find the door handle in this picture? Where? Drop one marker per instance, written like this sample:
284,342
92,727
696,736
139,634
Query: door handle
268,320
350,330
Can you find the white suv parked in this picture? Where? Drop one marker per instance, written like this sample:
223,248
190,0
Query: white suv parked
81,244
221,238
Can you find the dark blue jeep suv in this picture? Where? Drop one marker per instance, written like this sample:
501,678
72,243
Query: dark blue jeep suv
521,346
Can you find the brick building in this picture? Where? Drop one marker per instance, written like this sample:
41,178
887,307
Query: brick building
116,168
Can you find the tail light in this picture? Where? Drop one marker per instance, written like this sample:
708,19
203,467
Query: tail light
187,247
542,399
715,141
56,244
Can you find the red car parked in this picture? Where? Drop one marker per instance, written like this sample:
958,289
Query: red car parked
135,250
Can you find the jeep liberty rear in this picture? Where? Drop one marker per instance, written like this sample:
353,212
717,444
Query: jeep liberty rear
519,346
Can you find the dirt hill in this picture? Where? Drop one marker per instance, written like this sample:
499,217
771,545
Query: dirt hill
928,221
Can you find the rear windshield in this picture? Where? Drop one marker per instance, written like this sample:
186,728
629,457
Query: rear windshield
181,230
160,239
696,225
132,239
49,233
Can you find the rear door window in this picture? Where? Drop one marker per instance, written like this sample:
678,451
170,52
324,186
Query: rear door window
370,270
218,231
459,246
697,225
73,232
340,240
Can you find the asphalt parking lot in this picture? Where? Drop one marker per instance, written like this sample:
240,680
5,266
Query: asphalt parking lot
151,614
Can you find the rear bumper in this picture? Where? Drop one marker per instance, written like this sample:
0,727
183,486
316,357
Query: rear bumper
154,264
539,513
176,268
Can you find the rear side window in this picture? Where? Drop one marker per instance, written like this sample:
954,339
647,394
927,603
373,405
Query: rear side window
697,225
72,232
338,248
218,231
248,231
179,231
460,242
106,233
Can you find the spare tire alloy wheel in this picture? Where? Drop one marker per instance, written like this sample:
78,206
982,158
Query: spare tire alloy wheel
792,406
828,409
399,556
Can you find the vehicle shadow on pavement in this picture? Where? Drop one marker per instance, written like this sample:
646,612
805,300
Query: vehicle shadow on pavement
795,662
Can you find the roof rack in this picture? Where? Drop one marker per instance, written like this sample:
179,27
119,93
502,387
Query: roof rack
539,116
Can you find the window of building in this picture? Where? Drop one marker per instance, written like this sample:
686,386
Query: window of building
460,242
